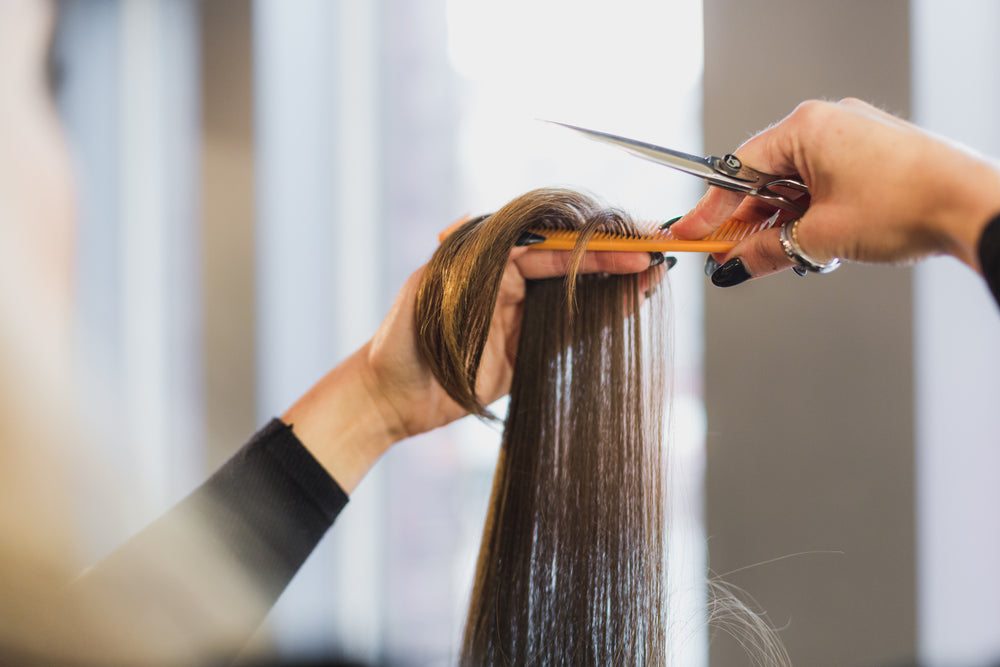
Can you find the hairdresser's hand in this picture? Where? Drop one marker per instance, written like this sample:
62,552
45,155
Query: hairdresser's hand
384,392
882,191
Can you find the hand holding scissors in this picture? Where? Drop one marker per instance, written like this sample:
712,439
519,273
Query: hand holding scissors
788,194
879,190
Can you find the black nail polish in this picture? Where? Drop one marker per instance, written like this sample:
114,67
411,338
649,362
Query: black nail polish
529,238
731,273
711,266
668,223
657,258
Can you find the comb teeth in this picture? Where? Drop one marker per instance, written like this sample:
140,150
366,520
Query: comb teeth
651,238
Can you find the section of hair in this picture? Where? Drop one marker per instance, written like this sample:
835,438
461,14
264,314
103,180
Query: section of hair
571,566
729,613
456,298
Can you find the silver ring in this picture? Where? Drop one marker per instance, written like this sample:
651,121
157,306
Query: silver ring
790,244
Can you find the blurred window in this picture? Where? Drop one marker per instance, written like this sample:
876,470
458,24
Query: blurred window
375,125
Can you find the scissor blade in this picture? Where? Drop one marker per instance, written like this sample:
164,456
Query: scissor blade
691,164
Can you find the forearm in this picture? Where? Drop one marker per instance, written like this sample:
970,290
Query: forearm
966,203
196,583
341,422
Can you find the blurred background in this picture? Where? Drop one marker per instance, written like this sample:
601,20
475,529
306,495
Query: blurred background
255,180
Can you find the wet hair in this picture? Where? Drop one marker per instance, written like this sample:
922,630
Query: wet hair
572,564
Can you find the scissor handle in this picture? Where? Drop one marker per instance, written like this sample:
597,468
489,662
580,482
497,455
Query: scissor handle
766,193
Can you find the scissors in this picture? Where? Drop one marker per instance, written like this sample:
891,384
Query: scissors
726,172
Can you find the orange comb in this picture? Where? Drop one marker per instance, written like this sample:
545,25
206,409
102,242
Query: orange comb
649,238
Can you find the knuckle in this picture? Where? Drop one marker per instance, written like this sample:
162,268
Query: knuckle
810,111
852,102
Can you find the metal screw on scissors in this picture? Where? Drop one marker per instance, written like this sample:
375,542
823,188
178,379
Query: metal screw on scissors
733,164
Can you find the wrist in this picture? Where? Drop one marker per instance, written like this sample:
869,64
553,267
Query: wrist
341,422
973,202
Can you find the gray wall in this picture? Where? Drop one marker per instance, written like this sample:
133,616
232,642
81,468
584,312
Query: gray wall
227,190
809,380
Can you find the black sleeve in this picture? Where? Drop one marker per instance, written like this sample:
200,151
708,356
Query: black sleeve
269,505
989,256
200,579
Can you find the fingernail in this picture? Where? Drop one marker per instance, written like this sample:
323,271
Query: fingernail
711,266
529,238
657,258
800,270
731,273
668,223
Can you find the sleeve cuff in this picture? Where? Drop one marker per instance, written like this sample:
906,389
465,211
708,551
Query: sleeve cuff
989,256
285,448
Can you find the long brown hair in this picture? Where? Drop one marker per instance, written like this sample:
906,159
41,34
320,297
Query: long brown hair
572,563
571,566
